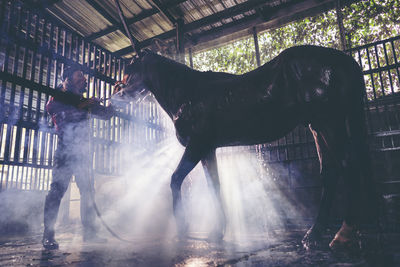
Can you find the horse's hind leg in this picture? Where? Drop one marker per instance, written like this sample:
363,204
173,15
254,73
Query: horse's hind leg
360,193
324,137
211,171
343,142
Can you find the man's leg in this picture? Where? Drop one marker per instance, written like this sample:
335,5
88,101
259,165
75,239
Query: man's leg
88,214
61,176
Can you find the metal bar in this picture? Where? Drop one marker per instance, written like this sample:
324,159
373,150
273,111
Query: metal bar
6,31
2,177
3,21
7,145
62,59
339,18
379,66
26,146
35,147
387,63
180,42
43,145
190,57
257,48
368,115
17,144
371,75
135,43
395,60
93,67
69,45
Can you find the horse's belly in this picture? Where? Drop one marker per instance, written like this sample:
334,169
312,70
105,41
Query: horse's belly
256,129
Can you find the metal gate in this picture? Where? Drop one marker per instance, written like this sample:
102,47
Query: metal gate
34,49
292,160
33,52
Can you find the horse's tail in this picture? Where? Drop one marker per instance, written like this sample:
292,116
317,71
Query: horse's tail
357,125
357,121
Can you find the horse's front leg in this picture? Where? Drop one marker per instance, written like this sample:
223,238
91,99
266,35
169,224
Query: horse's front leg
193,153
211,171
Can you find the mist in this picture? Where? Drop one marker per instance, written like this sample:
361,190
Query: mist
139,203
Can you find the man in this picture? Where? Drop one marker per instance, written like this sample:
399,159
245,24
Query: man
69,113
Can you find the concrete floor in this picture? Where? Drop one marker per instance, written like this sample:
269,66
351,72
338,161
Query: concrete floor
284,250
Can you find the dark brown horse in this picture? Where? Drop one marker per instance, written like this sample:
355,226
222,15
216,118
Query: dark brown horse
320,87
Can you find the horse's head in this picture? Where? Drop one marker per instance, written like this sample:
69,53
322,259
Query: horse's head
132,84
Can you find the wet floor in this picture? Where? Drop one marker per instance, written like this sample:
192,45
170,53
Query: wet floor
283,250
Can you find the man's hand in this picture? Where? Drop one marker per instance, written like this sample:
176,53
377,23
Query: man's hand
118,86
87,103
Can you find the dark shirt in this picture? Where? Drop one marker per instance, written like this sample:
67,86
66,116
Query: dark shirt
71,122
63,115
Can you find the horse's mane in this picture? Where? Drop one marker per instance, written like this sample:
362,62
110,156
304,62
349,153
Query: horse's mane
185,71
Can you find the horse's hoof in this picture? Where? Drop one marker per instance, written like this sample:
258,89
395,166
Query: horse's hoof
348,246
312,239
346,240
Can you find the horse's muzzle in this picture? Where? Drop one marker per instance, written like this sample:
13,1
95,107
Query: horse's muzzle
120,99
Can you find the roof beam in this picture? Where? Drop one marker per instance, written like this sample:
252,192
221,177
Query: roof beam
42,4
41,7
283,15
164,11
108,17
144,14
227,13
102,11
280,17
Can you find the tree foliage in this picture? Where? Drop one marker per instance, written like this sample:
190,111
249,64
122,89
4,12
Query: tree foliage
364,22
369,21
237,57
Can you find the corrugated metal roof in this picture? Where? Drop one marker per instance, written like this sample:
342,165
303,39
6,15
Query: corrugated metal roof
205,20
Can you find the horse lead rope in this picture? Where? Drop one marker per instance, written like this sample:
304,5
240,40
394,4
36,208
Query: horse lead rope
91,189
91,175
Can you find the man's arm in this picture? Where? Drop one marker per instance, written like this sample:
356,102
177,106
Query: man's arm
79,102
102,112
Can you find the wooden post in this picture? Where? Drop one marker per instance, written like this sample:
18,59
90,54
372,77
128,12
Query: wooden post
190,57
180,40
339,18
257,48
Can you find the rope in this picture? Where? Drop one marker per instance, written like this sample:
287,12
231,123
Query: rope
91,190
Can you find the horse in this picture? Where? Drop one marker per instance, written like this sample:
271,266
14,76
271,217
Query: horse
319,87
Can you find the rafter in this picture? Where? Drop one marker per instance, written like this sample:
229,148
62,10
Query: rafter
280,16
164,11
41,7
227,13
102,11
43,3
107,16
144,14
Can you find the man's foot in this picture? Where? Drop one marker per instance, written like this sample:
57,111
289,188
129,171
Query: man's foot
93,238
49,242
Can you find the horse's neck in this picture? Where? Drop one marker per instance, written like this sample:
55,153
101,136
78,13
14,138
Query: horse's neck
166,81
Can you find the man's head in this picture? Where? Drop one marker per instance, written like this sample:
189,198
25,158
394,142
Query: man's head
74,80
